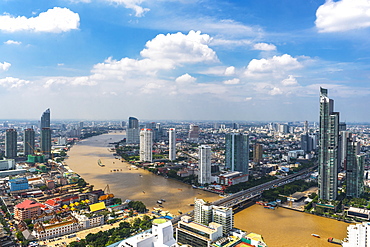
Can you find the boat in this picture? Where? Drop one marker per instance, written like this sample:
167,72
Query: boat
163,200
180,212
159,202
269,207
335,241
100,163
194,187
191,205
315,235
143,191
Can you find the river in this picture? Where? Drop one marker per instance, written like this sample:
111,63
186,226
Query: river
281,227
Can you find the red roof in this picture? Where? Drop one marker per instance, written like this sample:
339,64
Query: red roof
28,204
52,202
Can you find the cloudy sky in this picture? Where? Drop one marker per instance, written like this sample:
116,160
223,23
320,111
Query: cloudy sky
184,59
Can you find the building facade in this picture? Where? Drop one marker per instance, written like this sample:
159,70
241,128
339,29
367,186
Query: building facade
45,133
354,169
358,235
146,145
328,148
133,131
237,152
11,143
29,141
257,153
204,164
193,133
172,144
26,210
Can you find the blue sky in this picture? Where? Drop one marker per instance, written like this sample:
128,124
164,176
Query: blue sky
184,59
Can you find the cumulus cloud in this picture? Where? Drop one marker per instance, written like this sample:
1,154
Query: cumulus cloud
275,91
12,42
4,66
290,81
230,70
343,15
264,47
54,20
11,82
232,81
74,81
277,65
132,4
180,48
186,78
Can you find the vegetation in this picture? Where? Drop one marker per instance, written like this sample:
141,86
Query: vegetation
249,184
138,206
286,190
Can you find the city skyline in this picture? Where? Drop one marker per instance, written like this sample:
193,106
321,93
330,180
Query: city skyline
184,60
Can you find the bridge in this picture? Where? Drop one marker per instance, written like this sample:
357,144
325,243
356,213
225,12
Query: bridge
245,196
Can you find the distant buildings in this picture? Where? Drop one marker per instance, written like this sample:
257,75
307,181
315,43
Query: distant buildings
193,133
328,148
11,143
172,144
237,152
146,145
29,141
257,153
204,165
133,131
45,133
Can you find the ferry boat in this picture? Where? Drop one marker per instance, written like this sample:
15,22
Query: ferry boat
315,235
100,163
159,202
335,241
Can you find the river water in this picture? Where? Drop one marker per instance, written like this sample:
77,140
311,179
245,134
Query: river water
281,227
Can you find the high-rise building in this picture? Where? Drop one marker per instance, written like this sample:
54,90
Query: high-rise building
257,153
223,216
29,141
355,169
45,133
202,212
305,127
11,143
172,144
204,164
307,144
342,149
194,133
146,145
133,131
45,119
328,148
358,235
237,152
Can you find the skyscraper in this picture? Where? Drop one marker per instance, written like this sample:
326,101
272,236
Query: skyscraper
11,143
29,141
133,131
237,152
257,153
146,145
355,169
45,133
204,164
328,148
172,144
202,212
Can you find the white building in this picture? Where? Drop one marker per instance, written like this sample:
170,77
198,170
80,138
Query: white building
358,235
204,164
7,164
146,145
56,228
172,144
161,235
202,212
89,222
223,216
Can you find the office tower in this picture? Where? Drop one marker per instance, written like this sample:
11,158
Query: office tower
194,133
216,126
133,131
235,126
237,152
81,125
342,149
342,126
204,164
284,128
305,128
45,119
257,153
172,144
307,144
355,169
146,145
328,148
202,212
223,216
123,124
11,143
29,141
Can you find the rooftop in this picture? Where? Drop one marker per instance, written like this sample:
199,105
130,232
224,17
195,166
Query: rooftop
28,204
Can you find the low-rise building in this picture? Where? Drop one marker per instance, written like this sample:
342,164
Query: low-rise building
56,227
89,222
26,210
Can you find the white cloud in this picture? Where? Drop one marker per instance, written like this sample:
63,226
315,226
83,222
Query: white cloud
290,81
180,48
230,70
11,82
54,20
4,66
275,91
232,81
248,98
132,4
277,65
12,42
186,78
73,81
343,15
264,47
228,42
80,1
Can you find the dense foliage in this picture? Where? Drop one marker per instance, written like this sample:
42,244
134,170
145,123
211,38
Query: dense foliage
249,184
138,206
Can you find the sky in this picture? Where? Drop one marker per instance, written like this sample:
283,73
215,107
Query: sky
184,59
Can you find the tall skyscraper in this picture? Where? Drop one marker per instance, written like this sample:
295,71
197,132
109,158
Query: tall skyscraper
46,133
355,169
202,212
204,164
342,150
29,141
11,143
146,145
172,144
133,131
328,148
194,133
257,153
237,152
